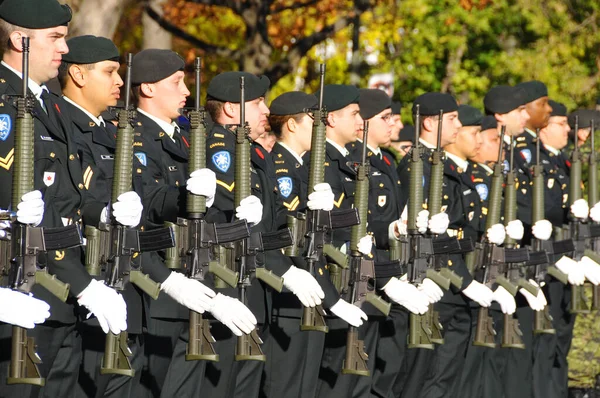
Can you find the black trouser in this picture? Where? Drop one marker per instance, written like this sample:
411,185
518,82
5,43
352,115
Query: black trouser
519,363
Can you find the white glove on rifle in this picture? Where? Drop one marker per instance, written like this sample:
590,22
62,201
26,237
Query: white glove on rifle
571,267
349,313
399,227
515,229
406,295
203,182
580,208
127,210
21,309
304,286
106,304
595,212
542,229
322,197
188,292
537,303
496,234
31,209
365,244
591,270
250,209
232,313
479,293
4,227
507,302
422,221
438,224
431,290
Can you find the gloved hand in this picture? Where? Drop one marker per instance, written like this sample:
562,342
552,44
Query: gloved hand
106,304
580,209
21,309
232,313
406,295
422,221
399,227
127,210
595,212
203,182
365,244
322,197
349,313
304,286
496,234
438,224
479,293
250,209
591,270
542,229
433,292
515,229
507,302
571,267
4,227
31,208
537,303
188,292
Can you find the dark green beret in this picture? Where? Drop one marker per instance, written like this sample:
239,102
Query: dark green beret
503,99
407,133
35,14
338,96
90,49
558,109
534,89
153,65
469,116
372,101
585,117
489,122
226,87
432,103
292,103
396,107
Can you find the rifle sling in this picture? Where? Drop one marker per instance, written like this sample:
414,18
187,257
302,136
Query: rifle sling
156,239
389,269
62,237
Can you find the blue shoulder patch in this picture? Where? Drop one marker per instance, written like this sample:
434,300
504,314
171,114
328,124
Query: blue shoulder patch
526,153
506,165
285,186
5,126
222,161
142,158
482,190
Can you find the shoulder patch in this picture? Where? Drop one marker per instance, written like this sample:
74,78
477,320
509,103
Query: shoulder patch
482,190
142,158
5,126
526,154
222,161
138,143
285,186
216,144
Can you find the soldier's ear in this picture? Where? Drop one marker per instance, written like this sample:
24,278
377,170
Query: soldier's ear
229,110
15,40
331,120
147,90
291,125
428,124
78,75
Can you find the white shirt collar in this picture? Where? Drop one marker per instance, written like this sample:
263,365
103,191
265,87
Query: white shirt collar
35,88
462,163
486,168
426,144
341,149
553,150
531,133
98,120
294,154
375,151
168,128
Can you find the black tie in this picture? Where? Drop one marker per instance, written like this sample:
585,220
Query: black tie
45,100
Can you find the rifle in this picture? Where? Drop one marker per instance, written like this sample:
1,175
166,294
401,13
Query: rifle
362,271
593,198
19,261
114,248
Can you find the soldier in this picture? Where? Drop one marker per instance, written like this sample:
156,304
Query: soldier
396,120
585,116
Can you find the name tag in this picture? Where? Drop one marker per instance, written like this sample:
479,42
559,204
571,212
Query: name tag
107,157
172,168
468,191
46,138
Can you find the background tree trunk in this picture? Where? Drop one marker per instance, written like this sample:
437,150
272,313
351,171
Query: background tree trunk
96,17
154,35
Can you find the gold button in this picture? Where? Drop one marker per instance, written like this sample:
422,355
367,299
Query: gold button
381,185
52,154
176,183
78,212
445,197
71,157
471,204
139,171
80,186
449,263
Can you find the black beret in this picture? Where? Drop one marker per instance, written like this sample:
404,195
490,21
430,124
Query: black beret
534,89
585,118
489,122
469,116
396,107
338,96
432,103
407,133
504,99
372,101
35,14
558,109
292,103
90,49
226,87
153,65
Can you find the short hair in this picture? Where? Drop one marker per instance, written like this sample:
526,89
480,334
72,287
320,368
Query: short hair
6,29
214,108
278,121
63,71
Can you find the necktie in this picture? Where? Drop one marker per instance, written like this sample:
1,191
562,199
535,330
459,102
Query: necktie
44,100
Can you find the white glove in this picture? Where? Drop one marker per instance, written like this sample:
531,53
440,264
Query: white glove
349,313
591,270
542,229
107,305
232,313
571,267
580,208
250,209
515,229
407,296
479,293
304,286
21,309
422,221
496,234
397,229
365,244
537,303
188,292
4,226
595,212
31,208
507,302
438,224
203,182
433,292
322,198
127,210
